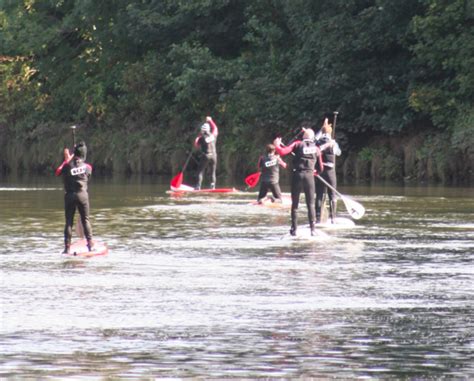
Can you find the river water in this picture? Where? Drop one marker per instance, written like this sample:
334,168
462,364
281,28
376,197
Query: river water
211,287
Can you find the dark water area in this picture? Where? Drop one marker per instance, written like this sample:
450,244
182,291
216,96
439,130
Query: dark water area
211,286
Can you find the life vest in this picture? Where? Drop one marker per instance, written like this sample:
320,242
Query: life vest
207,143
306,155
270,169
76,175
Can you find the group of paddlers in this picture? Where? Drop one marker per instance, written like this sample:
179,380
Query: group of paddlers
313,158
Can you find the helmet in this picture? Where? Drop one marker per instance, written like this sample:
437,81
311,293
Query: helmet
205,127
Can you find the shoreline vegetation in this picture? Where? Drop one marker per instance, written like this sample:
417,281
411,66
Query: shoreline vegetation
138,79
415,159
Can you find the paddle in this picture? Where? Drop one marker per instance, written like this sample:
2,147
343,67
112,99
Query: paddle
334,124
178,179
355,209
252,179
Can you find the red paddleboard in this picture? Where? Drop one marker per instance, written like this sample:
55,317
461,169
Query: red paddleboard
79,249
187,189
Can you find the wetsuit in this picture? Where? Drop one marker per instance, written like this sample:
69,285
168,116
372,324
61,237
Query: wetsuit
76,175
306,156
206,141
329,149
269,165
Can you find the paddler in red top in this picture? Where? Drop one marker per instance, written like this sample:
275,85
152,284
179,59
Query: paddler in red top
269,166
76,173
206,143
307,157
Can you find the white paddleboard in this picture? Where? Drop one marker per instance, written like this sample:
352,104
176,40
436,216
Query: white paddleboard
304,234
339,223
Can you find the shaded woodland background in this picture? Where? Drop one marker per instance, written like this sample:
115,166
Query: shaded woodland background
139,77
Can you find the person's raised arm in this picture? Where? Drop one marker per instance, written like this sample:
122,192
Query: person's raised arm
283,151
214,129
67,158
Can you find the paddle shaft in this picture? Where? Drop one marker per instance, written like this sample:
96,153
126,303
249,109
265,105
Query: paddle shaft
187,161
334,124
330,186
73,129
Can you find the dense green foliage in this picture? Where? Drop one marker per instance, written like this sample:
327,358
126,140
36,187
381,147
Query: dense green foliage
139,67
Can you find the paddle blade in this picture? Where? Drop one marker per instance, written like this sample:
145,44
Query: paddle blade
177,180
355,209
252,180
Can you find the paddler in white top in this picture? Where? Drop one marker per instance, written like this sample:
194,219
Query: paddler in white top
306,160
329,150
269,166
206,143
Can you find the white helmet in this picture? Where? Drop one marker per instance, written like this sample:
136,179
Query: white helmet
205,127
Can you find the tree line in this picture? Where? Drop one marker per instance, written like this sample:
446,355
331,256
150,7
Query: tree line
130,70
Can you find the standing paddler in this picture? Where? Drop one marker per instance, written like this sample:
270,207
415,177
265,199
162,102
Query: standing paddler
307,157
329,150
76,173
206,143
269,166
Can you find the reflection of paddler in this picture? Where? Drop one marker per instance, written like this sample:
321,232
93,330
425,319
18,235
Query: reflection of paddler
306,156
329,150
76,173
269,166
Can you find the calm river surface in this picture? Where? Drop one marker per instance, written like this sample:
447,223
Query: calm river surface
207,286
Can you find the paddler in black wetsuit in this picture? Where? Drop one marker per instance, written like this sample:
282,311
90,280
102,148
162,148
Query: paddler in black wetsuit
206,143
306,156
76,173
269,166
329,150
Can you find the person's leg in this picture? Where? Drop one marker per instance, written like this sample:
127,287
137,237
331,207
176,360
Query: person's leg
320,191
201,169
83,207
332,180
308,187
69,210
213,167
276,192
295,200
262,192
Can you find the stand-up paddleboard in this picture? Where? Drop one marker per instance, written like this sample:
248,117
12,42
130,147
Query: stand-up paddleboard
304,234
188,189
339,223
79,249
268,202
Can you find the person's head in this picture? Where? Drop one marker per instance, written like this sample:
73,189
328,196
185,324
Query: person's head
205,128
270,148
80,150
307,124
308,134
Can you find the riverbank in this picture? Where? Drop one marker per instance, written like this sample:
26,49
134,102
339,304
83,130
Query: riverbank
422,157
